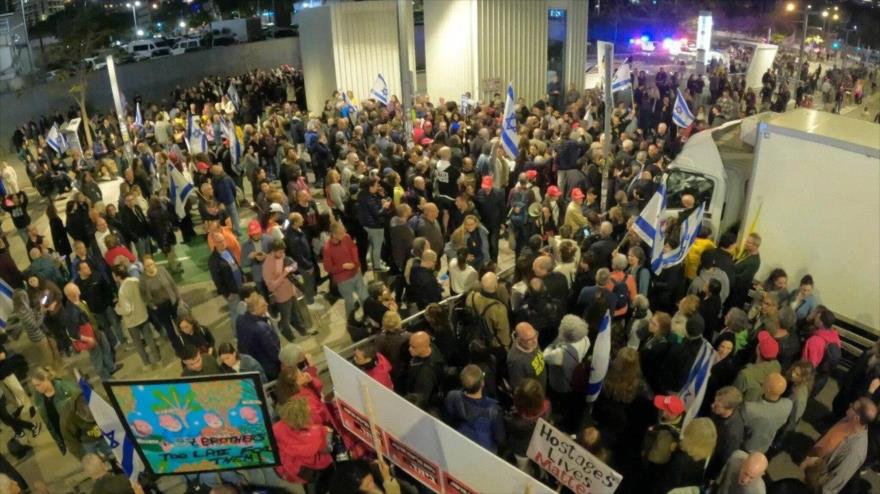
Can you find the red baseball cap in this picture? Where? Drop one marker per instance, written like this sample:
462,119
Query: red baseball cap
577,193
202,166
487,182
670,404
532,174
768,347
553,191
254,228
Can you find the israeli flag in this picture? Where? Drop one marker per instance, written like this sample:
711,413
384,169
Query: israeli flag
380,91
113,431
196,140
234,144
138,118
348,105
621,79
601,359
56,140
232,92
650,225
681,114
695,387
179,190
509,138
5,303
689,230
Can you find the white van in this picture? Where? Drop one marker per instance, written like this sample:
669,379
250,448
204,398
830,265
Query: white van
144,49
186,45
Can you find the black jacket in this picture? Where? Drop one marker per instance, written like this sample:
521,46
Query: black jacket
492,207
97,292
134,222
425,375
424,288
221,273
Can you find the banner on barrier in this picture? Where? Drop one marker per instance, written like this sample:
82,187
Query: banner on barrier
417,443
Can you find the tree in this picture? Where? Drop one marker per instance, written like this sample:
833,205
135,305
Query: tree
87,30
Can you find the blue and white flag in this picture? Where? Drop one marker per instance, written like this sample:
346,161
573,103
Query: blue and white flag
380,91
681,114
196,140
509,137
348,106
5,303
689,230
601,359
695,387
138,118
650,225
56,140
234,144
113,431
179,190
232,92
621,79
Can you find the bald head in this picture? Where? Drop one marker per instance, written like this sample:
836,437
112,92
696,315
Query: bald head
753,468
420,344
526,336
774,386
542,266
428,259
71,291
489,282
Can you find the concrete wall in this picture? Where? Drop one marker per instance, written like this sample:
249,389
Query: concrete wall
481,45
152,79
319,73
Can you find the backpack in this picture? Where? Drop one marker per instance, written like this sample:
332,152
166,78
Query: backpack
830,357
580,376
621,294
519,200
479,428
468,325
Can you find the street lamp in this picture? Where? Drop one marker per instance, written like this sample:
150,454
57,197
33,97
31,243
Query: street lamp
140,32
182,24
806,21
134,6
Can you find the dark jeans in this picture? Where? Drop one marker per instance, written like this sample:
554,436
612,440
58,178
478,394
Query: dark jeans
11,472
12,421
164,316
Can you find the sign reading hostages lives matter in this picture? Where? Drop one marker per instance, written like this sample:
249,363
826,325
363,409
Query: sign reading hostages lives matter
560,456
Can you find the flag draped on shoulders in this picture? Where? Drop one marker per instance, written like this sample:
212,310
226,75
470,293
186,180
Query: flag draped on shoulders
179,190
601,359
56,140
509,137
689,230
113,431
196,139
694,390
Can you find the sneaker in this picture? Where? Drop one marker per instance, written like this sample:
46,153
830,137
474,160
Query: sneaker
35,430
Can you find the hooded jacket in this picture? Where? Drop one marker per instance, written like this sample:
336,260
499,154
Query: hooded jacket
480,420
814,348
301,448
381,371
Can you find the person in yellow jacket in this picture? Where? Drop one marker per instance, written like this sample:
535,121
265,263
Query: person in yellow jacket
702,243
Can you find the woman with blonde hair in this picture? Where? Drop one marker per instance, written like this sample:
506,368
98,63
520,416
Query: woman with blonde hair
473,237
688,463
687,307
393,343
302,446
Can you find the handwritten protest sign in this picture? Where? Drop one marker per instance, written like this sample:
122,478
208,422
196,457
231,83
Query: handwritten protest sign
560,456
197,424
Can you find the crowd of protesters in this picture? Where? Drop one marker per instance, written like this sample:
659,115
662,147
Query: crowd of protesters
349,205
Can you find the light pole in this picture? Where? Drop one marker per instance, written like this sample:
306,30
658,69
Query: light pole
791,7
134,6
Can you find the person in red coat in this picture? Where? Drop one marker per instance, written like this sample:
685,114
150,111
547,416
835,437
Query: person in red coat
341,261
115,249
302,446
374,364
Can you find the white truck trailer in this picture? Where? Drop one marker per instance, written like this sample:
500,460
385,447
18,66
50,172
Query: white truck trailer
809,182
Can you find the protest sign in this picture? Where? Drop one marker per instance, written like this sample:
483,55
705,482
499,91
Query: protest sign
573,466
197,424
419,444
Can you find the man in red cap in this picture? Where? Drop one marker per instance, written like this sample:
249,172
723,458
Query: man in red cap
661,438
551,201
574,215
490,204
750,380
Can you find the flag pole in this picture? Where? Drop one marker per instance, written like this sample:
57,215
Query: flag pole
371,416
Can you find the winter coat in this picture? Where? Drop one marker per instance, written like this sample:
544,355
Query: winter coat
481,420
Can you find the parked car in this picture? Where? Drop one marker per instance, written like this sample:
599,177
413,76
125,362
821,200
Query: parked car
281,32
147,48
186,45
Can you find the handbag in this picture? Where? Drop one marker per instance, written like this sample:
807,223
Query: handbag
85,331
